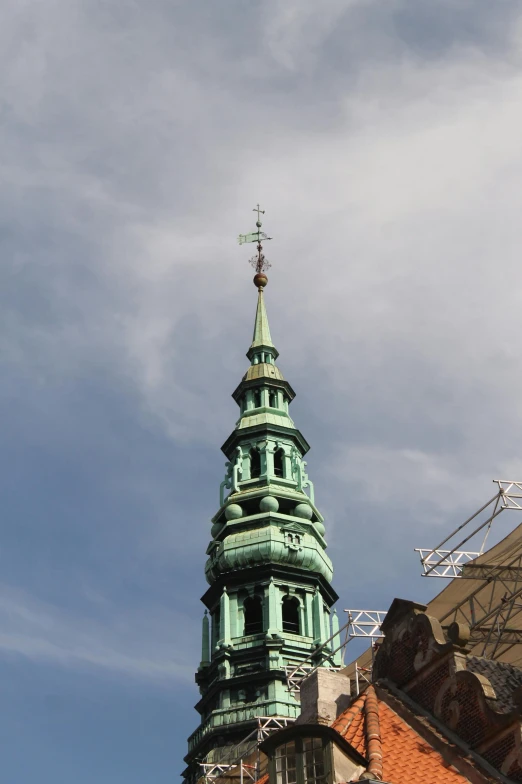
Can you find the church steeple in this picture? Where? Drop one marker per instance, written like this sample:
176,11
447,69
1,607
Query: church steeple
269,594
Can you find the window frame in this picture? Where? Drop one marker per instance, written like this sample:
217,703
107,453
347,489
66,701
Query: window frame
277,776
299,733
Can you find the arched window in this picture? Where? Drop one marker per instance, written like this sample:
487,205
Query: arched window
279,462
257,398
253,609
291,615
255,463
272,397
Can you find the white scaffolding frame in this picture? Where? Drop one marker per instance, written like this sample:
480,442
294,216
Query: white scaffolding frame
362,672
492,610
445,563
450,563
364,623
234,759
360,623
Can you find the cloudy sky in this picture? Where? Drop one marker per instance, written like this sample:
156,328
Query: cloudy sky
383,140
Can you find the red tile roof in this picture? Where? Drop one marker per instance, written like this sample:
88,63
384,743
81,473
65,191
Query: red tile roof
405,755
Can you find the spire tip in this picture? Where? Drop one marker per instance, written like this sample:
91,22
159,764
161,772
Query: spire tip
259,262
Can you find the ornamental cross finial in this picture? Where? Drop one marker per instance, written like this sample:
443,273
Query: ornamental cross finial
259,262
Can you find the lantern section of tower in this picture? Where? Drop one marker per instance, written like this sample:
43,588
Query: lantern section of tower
269,601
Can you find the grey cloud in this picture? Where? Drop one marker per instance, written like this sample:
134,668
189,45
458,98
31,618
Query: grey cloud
137,142
139,644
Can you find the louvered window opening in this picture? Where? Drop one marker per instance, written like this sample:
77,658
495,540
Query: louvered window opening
291,616
253,609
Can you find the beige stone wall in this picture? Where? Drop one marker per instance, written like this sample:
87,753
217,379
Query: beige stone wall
324,695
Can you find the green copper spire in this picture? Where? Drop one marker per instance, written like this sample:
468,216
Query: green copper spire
262,335
269,595
261,349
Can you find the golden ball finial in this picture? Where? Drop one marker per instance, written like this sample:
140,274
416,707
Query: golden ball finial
260,280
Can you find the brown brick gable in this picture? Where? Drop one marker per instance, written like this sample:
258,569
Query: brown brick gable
437,674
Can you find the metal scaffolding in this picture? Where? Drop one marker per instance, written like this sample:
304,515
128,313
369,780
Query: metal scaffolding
491,605
364,674
360,623
242,761
493,610
364,623
451,563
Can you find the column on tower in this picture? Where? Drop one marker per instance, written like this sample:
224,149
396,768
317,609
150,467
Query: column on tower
205,641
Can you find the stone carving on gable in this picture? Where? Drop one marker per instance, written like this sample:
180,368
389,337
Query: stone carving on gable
409,644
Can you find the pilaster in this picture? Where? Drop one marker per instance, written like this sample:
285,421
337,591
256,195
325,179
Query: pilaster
273,615
319,636
225,619
234,631
205,641
265,457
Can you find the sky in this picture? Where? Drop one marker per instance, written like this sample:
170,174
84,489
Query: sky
383,141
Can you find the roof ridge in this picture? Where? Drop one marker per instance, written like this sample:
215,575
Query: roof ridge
373,733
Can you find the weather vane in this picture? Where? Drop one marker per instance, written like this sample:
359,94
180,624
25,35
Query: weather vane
259,262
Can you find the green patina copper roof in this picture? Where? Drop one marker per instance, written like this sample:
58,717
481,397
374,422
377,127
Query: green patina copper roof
265,417
261,337
263,370
267,544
